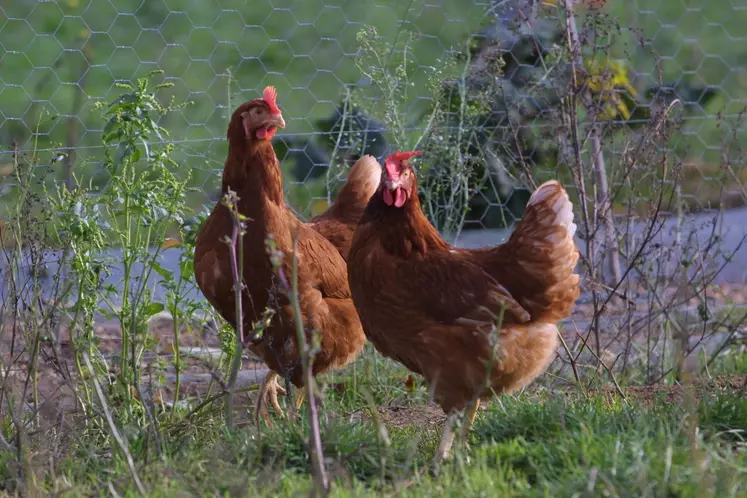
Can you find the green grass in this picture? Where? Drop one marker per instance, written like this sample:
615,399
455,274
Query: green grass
531,445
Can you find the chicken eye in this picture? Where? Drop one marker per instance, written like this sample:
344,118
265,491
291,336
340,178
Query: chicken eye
259,111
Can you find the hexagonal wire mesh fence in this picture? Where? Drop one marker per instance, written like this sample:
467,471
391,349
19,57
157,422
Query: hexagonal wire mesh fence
58,57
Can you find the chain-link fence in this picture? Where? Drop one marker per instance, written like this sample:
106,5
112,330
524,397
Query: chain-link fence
57,58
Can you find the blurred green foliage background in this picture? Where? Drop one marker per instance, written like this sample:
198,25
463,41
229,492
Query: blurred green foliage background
58,57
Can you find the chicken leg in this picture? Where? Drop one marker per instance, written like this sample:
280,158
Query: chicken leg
471,415
268,393
447,440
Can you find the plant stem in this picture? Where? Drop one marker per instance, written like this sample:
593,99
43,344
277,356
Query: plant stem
319,474
236,245
177,347
574,46
126,267
603,207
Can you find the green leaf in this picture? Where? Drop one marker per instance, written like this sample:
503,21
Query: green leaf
167,274
109,126
106,313
187,269
122,152
152,308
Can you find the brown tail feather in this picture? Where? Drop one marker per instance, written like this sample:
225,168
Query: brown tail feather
539,259
362,182
337,224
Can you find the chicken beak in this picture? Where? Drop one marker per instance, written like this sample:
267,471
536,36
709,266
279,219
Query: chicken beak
276,120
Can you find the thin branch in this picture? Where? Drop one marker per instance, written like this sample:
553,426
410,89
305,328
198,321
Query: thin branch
236,251
319,473
571,359
607,368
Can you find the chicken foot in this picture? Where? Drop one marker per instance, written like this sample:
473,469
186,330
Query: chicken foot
447,440
268,393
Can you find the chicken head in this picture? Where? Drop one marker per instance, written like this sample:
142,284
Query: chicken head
259,118
398,178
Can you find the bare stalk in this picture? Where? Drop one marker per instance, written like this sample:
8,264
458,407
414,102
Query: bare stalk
236,244
589,222
571,359
319,473
604,203
603,207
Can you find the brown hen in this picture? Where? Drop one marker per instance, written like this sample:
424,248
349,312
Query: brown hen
253,172
472,322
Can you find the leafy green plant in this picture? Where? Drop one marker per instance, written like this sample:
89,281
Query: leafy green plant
140,204
132,215
448,179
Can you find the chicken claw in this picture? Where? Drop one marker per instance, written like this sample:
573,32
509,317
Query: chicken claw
268,393
300,397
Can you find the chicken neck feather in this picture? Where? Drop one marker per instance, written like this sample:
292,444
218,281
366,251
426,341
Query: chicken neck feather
252,170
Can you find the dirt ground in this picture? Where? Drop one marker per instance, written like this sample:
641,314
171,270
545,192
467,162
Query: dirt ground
674,393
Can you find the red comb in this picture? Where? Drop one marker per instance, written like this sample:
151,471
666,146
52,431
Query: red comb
270,95
402,156
392,162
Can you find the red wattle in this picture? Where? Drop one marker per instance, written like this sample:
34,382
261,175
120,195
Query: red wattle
388,197
400,197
